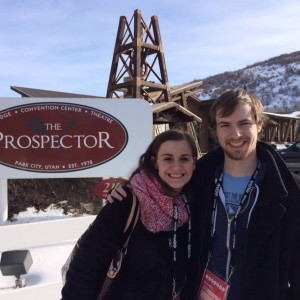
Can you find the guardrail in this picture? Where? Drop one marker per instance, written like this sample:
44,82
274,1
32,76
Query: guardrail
42,233
26,236
48,291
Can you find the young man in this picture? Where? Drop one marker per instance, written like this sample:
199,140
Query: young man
246,213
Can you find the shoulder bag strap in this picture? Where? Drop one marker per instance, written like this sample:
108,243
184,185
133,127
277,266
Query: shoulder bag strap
129,227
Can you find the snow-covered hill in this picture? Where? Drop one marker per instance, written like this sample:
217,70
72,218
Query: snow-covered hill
275,81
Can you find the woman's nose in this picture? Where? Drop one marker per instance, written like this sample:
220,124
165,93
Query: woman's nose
176,165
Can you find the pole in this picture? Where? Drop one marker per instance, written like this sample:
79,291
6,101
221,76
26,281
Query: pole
3,201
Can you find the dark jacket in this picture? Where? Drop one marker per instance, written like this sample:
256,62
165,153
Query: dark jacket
270,267
147,269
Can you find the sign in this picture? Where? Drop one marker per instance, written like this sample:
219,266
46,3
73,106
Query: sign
103,187
81,137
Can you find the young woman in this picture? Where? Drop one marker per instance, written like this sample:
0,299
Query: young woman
154,267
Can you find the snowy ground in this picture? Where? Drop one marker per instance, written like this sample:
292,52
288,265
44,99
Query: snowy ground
47,261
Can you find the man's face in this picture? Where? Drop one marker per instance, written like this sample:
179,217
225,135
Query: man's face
237,134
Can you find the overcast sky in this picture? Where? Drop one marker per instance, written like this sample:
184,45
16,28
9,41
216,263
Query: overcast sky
67,45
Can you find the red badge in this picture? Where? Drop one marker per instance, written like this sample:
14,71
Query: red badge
212,287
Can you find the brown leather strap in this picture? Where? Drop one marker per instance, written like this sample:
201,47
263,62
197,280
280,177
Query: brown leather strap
117,260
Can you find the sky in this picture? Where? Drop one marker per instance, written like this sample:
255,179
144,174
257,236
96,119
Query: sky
67,46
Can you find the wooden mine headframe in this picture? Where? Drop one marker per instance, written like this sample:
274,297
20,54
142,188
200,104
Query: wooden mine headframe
138,67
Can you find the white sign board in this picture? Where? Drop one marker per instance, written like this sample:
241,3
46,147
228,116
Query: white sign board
63,137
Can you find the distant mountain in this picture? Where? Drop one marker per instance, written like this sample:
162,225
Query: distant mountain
275,81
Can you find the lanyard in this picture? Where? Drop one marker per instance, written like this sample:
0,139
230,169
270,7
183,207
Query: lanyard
174,238
245,196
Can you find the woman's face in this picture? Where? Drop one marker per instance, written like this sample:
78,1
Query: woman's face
175,163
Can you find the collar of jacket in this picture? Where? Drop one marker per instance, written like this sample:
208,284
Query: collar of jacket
275,179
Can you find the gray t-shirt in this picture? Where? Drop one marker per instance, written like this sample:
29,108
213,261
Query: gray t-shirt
234,188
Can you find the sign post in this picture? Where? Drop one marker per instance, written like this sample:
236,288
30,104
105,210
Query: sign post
3,202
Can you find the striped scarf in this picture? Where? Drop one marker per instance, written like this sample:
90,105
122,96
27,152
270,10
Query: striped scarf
156,207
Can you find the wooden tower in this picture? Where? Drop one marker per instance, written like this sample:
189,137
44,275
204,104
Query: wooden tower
138,67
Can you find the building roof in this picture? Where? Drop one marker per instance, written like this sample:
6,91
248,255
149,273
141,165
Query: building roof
186,89
171,112
165,112
38,93
281,116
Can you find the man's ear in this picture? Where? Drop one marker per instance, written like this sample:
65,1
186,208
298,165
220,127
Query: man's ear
259,127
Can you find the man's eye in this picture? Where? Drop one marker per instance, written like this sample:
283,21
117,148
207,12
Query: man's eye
223,125
246,124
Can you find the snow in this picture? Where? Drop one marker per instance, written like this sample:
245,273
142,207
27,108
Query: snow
46,267
276,85
47,260
32,215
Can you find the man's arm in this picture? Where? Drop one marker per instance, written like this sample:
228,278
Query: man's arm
118,193
294,280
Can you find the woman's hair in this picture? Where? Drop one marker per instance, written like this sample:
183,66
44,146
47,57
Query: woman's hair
227,102
148,159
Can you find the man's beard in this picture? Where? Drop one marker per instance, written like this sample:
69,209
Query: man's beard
239,154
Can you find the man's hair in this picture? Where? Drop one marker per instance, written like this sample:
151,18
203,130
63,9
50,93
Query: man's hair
225,105
148,159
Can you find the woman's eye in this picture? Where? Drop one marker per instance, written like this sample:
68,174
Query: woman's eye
168,158
185,159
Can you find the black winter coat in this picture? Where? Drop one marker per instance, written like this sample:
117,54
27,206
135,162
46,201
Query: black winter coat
147,269
271,268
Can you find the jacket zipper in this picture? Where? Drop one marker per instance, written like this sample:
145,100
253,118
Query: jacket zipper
228,247
228,236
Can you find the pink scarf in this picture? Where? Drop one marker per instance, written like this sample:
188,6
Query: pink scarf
156,207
